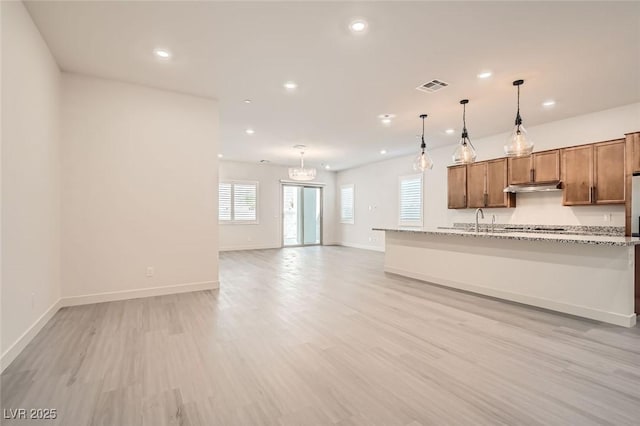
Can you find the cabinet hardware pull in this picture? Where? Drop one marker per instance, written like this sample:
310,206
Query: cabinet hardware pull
595,194
531,175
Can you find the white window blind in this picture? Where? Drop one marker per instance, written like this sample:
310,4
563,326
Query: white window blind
238,202
411,200
224,201
346,204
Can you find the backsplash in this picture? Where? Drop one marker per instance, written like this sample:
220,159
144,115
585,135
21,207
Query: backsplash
545,208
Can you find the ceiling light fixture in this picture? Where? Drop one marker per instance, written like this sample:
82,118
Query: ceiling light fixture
485,74
465,153
249,131
358,26
220,155
247,101
423,160
300,173
549,103
162,53
383,151
518,144
450,131
290,85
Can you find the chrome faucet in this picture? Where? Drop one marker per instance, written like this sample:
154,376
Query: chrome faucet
481,214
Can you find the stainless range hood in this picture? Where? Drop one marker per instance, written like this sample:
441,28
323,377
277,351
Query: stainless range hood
535,187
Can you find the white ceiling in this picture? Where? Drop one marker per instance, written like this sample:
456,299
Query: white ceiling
585,55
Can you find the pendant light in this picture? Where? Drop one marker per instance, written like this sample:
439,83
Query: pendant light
300,173
518,144
423,160
465,153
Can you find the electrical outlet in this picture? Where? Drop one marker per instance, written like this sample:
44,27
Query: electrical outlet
607,217
150,271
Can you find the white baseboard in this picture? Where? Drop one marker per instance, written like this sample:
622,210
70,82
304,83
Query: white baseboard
14,350
363,246
249,247
138,293
581,311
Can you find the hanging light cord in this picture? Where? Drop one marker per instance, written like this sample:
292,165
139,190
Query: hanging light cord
518,118
423,145
465,135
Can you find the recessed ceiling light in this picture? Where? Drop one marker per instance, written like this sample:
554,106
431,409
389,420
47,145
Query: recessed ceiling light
290,85
450,131
220,155
247,101
484,74
327,167
383,151
549,103
162,53
358,26
386,121
249,131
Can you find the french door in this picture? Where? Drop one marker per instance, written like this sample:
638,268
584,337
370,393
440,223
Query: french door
301,215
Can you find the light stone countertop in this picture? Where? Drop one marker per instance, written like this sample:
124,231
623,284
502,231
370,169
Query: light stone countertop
606,240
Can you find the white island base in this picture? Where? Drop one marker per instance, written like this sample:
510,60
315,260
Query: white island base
588,280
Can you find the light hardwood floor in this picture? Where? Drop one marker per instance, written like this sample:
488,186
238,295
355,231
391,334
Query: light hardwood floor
321,335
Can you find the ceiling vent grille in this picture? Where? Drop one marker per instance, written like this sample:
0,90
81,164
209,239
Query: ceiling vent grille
432,86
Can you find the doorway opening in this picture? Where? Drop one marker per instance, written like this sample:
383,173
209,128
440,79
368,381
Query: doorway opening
301,215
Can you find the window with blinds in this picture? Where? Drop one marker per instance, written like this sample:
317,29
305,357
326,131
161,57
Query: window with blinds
238,202
346,204
410,200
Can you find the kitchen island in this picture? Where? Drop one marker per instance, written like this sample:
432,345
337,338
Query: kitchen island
591,276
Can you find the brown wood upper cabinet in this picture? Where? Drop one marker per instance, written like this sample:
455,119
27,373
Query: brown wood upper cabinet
540,167
457,187
634,154
594,174
486,181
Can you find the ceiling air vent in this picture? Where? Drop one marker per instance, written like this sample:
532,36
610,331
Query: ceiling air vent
432,86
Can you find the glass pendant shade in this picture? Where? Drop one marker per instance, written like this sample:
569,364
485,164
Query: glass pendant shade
423,162
300,173
518,144
465,153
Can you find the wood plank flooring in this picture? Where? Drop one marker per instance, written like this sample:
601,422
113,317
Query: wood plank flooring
320,335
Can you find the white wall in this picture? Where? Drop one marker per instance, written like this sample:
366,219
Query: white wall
267,233
30,179
139,179
376,184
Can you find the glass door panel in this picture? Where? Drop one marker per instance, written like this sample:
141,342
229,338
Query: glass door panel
291,216
301,215
311,218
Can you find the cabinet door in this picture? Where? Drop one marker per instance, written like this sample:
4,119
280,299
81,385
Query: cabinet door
608,172
496,182
476,185
520,170
546,166
577,171
457,187
634,155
